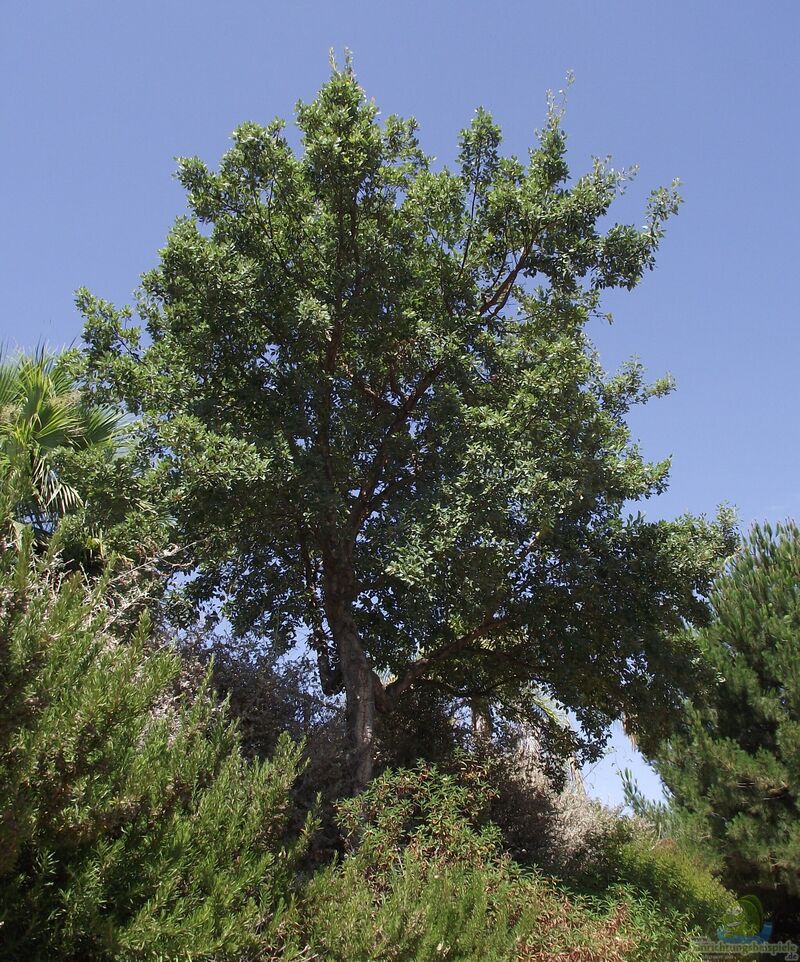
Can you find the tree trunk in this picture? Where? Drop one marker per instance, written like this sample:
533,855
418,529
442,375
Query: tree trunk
482,728
360,682
361,709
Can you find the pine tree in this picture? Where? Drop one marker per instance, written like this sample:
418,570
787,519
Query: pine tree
735,771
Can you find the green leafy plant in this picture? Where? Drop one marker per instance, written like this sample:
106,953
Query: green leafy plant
427,880
43,414
676,880
131,827
734,770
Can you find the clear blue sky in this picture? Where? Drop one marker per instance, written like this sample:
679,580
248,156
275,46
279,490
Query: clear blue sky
98,98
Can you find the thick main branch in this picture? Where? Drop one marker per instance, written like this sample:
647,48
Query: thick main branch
422,666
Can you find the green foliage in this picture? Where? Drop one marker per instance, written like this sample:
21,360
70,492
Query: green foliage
450,914
371,411
470,915
426,881
130,825
432,816
369,418
734,772
132,828
676,880
42,415
667,823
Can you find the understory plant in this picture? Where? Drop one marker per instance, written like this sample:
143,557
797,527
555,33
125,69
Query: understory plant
427,879
131,826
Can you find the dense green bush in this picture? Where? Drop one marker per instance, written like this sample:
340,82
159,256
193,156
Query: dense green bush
458,912
660,869
427,880
131,827
563,833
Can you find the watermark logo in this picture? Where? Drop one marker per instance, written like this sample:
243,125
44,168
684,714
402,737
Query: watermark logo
745,920
745,931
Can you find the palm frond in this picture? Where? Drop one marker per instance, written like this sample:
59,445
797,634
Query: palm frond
99,425
8,382
42,413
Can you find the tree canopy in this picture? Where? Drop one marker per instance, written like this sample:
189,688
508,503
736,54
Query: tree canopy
367,399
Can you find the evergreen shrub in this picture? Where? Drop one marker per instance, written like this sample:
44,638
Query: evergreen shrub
131,826
427,880
660,870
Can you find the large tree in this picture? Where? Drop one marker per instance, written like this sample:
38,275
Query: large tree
372,410
734,771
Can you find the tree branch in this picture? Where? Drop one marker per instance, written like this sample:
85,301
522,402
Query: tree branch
360,508
330,676
422,666
499,299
